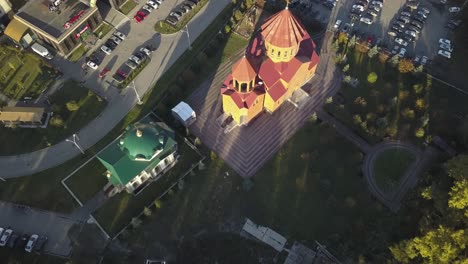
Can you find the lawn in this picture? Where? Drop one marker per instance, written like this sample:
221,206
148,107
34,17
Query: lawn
23,73
312,189
88,180
390,166
102,30
411,107
78,53
20,140
164,28
120,209
128,6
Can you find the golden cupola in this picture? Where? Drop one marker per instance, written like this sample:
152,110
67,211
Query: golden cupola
282,34
243,76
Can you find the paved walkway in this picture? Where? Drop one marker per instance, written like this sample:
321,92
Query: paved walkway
170,47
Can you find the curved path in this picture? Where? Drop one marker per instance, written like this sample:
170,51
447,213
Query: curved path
411,172
119,102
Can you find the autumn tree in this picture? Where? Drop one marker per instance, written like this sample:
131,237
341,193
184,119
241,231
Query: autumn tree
373,51
362,47
342,38
57,121
72,106
405,66
383,57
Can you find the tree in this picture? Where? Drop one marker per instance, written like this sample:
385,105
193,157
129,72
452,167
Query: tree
346,68
147,211
197,141
227,29
313,117
136,222
347,79
362,47
342,38
394,60
158,203
72,106
457,167
372,77
237,15
420,104
335,45
249,3
383,57
352,42
373,51
418,88
357,119
419,69
56,121
459,195
405,66
213,155
408,113
419,132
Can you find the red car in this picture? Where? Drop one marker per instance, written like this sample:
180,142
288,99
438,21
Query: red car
138,18
103,72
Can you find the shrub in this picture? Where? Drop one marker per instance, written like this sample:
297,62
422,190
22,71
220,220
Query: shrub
237,15
420,104
227,29
56,121
72,106
418,88
372,52
213,155
419,132
158,203
197,141
147,211
383,57
372,77
136,222
405,66
346,68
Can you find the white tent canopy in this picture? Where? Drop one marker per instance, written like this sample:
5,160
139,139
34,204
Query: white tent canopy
184,113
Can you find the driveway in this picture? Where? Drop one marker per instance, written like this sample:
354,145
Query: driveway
170,47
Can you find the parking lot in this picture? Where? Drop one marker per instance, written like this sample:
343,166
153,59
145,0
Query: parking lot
426,42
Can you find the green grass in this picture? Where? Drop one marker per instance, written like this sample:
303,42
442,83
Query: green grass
390,166
24,74
128,6
102,30
88,180
20,140
78,53
8,255
312,189
164,28
119,210
234,44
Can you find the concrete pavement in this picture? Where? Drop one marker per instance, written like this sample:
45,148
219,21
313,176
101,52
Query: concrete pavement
170,47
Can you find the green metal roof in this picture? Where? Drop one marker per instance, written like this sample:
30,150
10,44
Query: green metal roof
133,152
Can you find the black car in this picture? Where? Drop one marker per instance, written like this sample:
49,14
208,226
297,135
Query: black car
13,240
409,38
415,29
420,19
40,244
417,24
118,77
22,241
172,20
397,28
111,44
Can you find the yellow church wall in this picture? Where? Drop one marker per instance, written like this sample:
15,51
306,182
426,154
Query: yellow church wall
230,108
270,104
257,108
280,54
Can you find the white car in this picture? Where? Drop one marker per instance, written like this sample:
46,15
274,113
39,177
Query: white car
153,4
135,59
411,33
402,53
92,65
116,40
31,242
417,59
454,9
337,24
147,8
6,235
408,14
106,50
446,47
445,54
174,14
120,35
445,41
366,20
424,60
377,3
146,51
401,42
358,7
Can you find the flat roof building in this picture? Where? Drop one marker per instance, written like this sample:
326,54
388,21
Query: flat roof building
62,26
23,116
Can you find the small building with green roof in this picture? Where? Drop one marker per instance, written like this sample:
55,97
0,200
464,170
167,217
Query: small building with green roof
139,156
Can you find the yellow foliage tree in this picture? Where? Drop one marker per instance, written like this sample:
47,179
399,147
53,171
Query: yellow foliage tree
405,66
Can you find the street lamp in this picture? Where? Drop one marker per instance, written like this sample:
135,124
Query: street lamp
74,142
136,92
188,37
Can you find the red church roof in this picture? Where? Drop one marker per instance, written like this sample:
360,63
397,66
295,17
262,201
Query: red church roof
243,71
283,30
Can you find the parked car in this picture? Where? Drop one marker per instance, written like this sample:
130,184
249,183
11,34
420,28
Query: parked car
337,24
153,4
171,21
419,18
395,49
372,12
425,10
424,60
92,64
135,59
118,77
366,20
31,242
392,33
375,7
185,8
408,14
402,53
175,14
106,49
445,54
131,64
446,47
119,34
404,19
401,42
110,44
400,24
415,29
5,236
454,9
1,230
397,28
417,59
377,3
346,28
190,3
411,33
416,24
445,41
359,8
40,244
145,51
147,8
423,14
22,241
138,18
12,241
115,39
409,38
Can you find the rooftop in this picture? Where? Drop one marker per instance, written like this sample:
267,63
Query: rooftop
37,13
21,114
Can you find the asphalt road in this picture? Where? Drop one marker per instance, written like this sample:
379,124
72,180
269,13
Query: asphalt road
170,47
